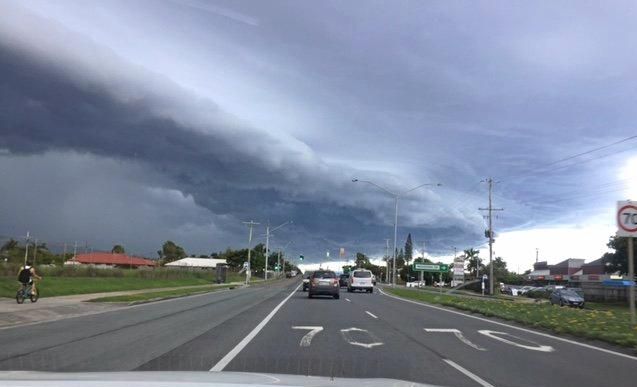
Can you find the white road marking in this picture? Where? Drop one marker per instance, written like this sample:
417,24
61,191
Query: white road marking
348,338
307,338
459,335
246,340
493,335
348,300
468,373
371,314
514,327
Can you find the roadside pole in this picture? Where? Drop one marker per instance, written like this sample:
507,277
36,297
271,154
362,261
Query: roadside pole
251,224
26,250
627,227
631,276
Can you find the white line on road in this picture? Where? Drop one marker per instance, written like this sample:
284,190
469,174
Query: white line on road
514,327
494,335
458,335
468,373
246,340
371,314
307,338
348,300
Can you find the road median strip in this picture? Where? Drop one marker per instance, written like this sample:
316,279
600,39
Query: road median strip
612,326
151,296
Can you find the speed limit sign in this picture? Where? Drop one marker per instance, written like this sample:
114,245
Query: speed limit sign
626,218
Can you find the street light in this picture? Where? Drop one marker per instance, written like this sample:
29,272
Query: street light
396,197
267,243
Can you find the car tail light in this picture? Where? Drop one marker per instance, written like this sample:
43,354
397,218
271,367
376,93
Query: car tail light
315,281
335,283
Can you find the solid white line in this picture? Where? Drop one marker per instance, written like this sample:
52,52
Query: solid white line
468,373
348,300
369,313
514,327
246,340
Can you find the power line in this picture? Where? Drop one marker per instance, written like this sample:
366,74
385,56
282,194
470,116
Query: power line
571,157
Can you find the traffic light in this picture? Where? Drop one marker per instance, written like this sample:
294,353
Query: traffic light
301,257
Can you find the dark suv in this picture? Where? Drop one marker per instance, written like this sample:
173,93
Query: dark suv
342,280
324,282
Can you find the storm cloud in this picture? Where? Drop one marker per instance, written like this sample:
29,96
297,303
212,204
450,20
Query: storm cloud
196,156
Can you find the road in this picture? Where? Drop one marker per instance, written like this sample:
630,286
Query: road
277,329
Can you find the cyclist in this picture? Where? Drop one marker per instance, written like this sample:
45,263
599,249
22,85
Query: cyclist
26,275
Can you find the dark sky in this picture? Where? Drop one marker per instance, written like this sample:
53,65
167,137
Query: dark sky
137,122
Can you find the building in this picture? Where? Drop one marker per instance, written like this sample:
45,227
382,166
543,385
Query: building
196,263
597,266
106,259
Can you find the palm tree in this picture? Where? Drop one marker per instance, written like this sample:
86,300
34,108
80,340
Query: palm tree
473,259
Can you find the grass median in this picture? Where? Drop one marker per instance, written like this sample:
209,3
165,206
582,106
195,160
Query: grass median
612,326
161,295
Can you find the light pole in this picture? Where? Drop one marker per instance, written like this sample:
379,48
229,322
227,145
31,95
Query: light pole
250,224
267,243
396,197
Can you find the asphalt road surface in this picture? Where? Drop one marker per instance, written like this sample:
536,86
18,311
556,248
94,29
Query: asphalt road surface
277,329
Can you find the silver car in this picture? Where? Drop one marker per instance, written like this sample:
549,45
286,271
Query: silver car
566,297
324,282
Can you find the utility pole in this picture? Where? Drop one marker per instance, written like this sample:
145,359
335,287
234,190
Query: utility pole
26,249
490,232
267,243
387,259
250,224
422,273
75,250
537,254
35,251
64,254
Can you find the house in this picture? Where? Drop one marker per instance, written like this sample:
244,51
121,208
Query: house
196,263
106,259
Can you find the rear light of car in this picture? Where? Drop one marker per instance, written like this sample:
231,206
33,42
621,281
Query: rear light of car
315,281
335,282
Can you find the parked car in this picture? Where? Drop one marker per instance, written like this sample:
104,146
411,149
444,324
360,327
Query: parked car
306,280
361,279
579,291
323,282
566,297
524,289
342,280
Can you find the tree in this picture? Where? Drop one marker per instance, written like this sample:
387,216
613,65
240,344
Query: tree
118,249
171,252
617,261
409,249
9,245
361,260
203,256
472,256
499,268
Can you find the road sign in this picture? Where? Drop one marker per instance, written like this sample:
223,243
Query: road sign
341,252
627,219
432,268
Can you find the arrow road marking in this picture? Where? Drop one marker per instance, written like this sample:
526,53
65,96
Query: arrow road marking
348,300
493,335
458,334
307,338
349,339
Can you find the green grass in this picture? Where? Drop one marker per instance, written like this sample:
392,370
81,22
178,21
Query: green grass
612,325
62,286
165,294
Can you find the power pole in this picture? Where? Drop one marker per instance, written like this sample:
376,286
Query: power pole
490,232
64,254
35,251
387,259
26,249
537,254
250,224
75,250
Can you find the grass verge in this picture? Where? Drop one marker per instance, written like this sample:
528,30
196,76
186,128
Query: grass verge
161,295
612,326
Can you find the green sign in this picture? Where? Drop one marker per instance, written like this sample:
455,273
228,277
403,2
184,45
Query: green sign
432,268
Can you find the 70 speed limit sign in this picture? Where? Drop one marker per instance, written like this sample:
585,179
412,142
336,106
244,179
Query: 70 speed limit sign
627,219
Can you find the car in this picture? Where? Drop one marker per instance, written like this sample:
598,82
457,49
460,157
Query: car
579,291
306,280
324,283
566,297
342,280
524,289
361,279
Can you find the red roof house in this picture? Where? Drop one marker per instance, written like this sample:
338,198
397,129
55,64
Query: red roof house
110,259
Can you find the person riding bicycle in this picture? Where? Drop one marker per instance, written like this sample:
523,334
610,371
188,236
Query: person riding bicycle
26,275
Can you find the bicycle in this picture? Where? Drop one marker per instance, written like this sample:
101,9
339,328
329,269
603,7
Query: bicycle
26,292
